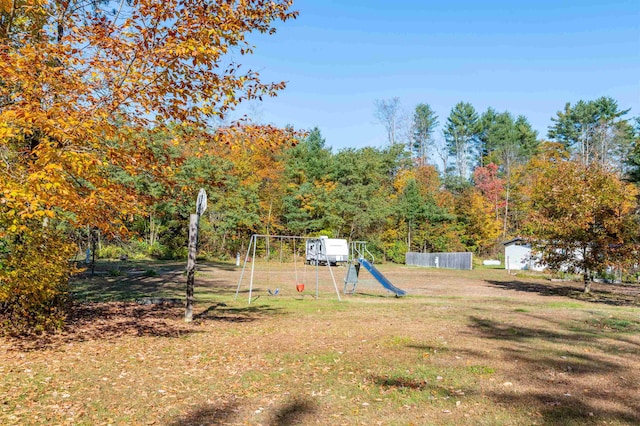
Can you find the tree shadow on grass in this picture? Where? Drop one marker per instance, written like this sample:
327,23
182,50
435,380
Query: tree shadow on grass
381,295
225,266
208,414
561,333
557,408
127,287
111,320
222,312
505,331
293,413
572,379
132,288
131,280
610,294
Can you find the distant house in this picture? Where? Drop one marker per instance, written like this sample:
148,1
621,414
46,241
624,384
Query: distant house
518,256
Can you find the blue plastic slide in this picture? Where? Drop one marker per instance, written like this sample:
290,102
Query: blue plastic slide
381,278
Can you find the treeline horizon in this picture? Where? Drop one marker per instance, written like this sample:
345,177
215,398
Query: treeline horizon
392,196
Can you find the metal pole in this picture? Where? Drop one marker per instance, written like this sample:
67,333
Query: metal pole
317,277
334,281
244,267
253,265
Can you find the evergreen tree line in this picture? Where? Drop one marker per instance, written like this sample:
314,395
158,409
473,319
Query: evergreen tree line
469,194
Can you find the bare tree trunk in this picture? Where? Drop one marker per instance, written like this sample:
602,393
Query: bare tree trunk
153,231
191,265
386,112
461,158
587,282
442,152
93,251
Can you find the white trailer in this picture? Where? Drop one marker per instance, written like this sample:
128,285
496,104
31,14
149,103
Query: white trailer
324,250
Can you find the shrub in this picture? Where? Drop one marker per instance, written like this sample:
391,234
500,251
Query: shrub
111,252
178,253
157,251
396,252
34,292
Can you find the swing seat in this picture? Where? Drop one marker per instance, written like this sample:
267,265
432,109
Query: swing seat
273,293
300,287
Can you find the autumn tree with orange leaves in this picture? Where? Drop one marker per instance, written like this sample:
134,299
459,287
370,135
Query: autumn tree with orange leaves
582,219
80,81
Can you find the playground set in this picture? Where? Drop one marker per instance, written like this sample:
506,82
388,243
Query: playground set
318,252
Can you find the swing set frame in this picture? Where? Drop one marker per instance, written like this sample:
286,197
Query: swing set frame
251,250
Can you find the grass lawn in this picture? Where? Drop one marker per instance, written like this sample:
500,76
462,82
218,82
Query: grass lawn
463,348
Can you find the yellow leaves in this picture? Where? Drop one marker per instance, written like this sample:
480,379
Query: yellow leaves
306,202
15,228
254,150
479,215
6,132
391,235
6,6
402,178
77,105
35,277
326,186
52,167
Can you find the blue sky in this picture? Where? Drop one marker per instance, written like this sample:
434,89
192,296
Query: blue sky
525,57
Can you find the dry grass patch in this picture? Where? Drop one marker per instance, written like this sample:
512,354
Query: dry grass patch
466,347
